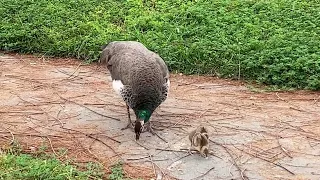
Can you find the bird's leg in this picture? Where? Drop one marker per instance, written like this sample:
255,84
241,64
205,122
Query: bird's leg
129,125
149,128
128,110
190,150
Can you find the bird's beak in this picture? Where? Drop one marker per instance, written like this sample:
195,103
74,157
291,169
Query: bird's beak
137,136
138,128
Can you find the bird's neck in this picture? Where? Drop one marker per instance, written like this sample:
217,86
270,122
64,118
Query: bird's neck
144,115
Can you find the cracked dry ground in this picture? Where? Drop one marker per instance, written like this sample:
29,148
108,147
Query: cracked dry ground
66,104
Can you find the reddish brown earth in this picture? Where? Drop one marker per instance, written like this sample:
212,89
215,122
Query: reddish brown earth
64,104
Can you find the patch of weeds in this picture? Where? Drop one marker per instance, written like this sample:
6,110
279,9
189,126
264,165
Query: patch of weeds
94,169
43,147
274,42
14,164
62,151
13,148
255,89
116,172
25,166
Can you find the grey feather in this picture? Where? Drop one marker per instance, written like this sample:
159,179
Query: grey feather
143,73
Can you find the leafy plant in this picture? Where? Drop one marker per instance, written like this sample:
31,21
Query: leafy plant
116,172
273,42
24,166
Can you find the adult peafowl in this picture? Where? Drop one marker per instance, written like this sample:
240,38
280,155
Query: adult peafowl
140,77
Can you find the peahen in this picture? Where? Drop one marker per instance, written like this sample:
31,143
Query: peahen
140,76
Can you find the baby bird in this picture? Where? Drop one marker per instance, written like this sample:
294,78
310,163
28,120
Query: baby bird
200,140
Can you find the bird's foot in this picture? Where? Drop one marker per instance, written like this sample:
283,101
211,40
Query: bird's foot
189,151
148,128
129,125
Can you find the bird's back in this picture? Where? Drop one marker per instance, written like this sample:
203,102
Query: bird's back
139,69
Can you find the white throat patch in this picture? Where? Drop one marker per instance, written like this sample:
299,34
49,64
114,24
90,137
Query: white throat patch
168,83
117,86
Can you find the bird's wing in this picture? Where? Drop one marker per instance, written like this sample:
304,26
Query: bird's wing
204,140
196,139
118,59
162,64
165,74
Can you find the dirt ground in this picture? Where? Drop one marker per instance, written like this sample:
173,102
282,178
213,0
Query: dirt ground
70,108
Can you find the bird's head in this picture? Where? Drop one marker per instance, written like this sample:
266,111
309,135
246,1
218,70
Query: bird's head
204,151
142,117
138,128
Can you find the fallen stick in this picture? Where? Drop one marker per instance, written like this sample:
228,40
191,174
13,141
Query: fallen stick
243,176
276,164
88,108
91,134
203,174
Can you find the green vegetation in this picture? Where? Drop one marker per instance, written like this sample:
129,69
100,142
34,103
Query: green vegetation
116,172
24,166
41,165
275,42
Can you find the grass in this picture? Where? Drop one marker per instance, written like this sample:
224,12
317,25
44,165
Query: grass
24,166
273,42
117,172
14,164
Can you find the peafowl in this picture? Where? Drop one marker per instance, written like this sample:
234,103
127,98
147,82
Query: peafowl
140,77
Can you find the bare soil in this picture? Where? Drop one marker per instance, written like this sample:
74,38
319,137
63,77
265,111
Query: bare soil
64,104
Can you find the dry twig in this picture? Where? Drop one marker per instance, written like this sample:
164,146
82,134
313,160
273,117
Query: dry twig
276,164
141,145
52,147
12,136
92,137
160,137
68,100
203,174
243,176
284,150
153,166
316,100
297,108
172,150
143,157
114,151
177,160
75,70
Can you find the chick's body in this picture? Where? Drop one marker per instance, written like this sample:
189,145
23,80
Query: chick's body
199,140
